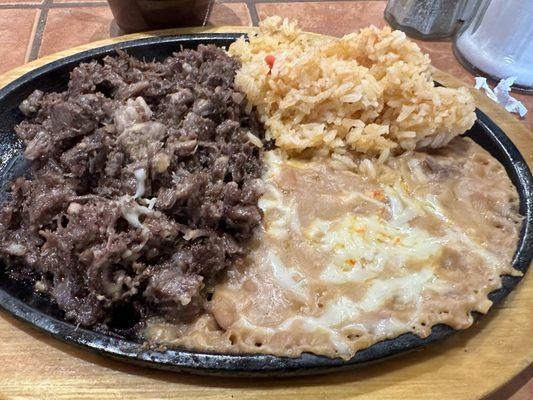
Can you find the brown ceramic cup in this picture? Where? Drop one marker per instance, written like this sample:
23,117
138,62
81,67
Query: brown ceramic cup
143,15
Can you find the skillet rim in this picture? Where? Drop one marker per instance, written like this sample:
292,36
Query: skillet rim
259,364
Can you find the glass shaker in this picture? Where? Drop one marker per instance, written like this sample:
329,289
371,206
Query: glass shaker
428,19
498,42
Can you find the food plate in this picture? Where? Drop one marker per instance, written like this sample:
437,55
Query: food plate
23,303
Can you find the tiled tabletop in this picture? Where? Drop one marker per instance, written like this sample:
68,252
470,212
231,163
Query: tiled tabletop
33,28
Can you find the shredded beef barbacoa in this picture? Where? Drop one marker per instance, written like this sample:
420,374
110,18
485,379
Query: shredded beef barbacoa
143,188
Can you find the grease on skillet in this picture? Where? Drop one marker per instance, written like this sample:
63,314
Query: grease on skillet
143,188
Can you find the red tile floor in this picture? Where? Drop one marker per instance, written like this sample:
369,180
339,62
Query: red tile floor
33,28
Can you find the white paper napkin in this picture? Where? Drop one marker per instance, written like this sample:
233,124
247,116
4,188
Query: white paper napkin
501,95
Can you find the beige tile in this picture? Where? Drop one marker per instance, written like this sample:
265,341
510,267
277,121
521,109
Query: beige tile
331,18
16,27
69,27
230,14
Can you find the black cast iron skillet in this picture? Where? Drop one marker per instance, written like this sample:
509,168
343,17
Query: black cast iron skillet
19,300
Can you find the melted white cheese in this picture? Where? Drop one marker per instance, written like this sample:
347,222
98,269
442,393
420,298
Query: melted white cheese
132,212
289,279
363,246
140,178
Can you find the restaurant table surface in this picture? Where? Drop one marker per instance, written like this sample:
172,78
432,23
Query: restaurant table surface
32,29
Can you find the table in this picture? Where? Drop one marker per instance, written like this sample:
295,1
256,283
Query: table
32,29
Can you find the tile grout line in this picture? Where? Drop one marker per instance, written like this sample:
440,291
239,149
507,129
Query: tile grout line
19,6
48,4
253,12
32,35
78,4
38,37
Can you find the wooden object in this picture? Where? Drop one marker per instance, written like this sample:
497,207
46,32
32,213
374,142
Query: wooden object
468,365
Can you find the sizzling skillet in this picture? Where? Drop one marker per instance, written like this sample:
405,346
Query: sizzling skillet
20,300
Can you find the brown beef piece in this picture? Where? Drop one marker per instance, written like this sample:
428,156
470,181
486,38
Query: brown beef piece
32,104
86,155
48,195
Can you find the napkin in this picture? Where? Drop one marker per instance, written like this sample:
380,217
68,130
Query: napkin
501,95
